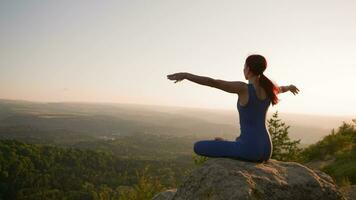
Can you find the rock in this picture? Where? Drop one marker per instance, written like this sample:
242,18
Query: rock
225,178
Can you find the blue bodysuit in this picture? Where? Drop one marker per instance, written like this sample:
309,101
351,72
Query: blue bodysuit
254,143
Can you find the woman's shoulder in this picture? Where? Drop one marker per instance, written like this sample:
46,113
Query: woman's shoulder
244,86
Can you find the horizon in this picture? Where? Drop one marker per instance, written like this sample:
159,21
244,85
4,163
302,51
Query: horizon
121,51
351,117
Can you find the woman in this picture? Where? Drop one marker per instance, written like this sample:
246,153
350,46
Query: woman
254,99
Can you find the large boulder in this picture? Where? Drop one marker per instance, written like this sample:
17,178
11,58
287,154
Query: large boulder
225,178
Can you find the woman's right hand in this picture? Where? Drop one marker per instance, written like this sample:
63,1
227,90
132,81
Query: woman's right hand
293,89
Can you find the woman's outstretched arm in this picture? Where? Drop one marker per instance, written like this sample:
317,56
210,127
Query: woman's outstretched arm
227,86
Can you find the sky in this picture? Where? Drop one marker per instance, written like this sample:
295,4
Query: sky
121,51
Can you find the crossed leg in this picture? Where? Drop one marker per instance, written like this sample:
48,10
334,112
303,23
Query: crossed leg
216,148
223,148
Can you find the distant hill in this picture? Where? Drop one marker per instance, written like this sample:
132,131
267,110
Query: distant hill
97,119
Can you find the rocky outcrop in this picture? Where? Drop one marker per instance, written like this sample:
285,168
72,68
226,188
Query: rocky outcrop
225,178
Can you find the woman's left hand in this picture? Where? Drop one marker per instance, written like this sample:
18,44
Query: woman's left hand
177,76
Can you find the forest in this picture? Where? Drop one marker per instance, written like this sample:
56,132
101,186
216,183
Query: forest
30,171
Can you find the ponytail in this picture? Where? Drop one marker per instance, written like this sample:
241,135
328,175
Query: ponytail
270,88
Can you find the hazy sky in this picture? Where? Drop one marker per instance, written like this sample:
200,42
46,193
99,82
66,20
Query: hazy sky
121,51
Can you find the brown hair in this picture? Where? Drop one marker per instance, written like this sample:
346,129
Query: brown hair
258,65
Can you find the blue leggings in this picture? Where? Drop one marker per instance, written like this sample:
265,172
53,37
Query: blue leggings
221,148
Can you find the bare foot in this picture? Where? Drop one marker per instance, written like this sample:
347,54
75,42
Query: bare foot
219,138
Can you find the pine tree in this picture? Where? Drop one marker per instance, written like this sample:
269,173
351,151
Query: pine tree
284,148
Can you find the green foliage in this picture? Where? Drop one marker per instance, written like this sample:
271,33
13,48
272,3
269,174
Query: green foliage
338,150
199,160
336,143
284,148
145,189
30,171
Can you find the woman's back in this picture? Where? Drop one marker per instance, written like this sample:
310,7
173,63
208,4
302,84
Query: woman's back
253,132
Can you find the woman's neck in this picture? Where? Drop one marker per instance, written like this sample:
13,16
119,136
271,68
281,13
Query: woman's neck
254,80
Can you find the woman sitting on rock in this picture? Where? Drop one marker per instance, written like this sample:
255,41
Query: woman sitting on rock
254,99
